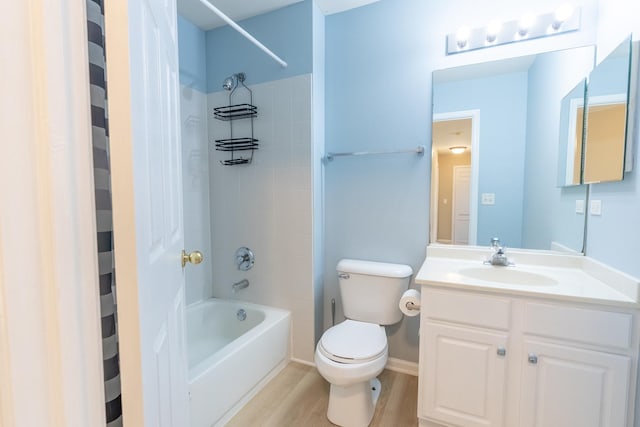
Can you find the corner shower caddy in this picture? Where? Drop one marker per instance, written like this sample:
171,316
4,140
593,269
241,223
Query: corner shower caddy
233,112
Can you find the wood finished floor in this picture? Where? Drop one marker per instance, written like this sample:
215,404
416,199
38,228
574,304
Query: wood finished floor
299,396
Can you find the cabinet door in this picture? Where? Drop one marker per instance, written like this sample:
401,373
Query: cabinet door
572,387
463,375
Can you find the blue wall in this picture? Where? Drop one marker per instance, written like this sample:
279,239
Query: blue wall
192,55
377,98
502,101
287,32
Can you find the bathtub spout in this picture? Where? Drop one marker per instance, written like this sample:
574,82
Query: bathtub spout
244,283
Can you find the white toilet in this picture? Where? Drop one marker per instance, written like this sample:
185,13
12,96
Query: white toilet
351,354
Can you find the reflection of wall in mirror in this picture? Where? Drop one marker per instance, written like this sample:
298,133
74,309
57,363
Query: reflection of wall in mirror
502,101
604,152
446,163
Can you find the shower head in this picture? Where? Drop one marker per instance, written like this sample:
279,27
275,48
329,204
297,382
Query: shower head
228,83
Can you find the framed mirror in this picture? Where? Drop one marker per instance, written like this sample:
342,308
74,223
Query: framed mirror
606,117
506,115
571,136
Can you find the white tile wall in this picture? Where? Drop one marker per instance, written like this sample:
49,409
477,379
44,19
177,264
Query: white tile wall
267,205
195,173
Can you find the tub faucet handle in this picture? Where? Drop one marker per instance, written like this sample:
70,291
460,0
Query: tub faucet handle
244,258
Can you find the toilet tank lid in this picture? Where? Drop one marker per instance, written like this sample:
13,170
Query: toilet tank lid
373,268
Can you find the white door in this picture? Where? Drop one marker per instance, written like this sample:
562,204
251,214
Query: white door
460,208
464,376
148,226
565,386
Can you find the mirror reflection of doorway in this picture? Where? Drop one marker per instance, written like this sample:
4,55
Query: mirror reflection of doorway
460,204
451,181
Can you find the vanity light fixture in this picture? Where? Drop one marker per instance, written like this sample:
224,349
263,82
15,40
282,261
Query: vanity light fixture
458,149
565,19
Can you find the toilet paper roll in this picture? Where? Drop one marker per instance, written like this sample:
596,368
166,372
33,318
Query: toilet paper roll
410,303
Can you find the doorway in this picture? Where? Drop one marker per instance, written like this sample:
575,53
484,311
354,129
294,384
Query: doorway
454,178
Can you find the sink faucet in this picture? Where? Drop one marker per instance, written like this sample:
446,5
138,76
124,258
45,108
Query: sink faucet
499,257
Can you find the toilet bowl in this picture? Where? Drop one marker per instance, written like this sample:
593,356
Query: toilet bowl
352,353
349,356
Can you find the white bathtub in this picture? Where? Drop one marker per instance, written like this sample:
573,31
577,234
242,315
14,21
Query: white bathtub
230,359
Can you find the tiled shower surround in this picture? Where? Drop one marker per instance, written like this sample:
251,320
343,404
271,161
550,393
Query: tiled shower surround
265,205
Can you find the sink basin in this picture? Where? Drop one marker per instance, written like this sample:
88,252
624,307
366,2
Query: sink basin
507,275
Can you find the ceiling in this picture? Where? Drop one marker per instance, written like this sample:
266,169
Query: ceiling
451,133
238,10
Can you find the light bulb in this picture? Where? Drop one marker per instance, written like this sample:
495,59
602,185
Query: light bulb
458,149
462,36
563,13
492,31
525,24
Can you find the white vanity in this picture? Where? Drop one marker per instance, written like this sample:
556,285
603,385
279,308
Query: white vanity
549,342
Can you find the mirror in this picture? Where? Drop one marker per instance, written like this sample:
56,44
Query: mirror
571,132
606,117
506,114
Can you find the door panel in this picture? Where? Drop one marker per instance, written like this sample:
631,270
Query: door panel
461,188
155,309
573,387
464,376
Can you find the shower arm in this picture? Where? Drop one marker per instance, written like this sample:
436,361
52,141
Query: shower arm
242,31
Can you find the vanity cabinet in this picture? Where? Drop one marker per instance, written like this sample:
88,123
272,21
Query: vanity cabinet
495,361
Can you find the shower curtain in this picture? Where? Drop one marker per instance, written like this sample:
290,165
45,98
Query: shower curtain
104,223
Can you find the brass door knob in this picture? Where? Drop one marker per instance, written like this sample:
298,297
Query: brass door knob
194,257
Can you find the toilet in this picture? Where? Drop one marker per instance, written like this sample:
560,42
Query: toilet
352,353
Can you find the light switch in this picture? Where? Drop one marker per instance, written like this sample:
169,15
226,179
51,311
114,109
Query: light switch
580,206
596,207
488,199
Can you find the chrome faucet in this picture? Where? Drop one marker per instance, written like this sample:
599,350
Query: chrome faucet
499,257
244,283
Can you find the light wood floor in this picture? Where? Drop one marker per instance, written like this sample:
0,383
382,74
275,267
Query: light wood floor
299,396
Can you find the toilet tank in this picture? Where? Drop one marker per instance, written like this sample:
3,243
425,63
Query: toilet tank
371,290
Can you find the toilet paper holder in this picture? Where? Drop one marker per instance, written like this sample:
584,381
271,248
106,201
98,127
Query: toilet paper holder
412,306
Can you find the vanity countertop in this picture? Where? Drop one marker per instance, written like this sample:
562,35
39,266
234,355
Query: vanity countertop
535,273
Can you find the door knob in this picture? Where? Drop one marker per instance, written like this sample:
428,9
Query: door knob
194,257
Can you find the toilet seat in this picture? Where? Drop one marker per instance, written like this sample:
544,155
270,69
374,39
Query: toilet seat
353,342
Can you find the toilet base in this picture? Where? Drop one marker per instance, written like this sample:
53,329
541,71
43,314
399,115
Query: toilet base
353,405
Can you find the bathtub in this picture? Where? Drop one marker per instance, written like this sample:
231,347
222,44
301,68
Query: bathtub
231,359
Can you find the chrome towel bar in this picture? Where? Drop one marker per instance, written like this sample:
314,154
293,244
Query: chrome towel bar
419,150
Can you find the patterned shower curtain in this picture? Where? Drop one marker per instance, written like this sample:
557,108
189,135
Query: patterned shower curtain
102,177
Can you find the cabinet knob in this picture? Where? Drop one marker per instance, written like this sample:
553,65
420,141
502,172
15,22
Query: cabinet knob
501,351
533,359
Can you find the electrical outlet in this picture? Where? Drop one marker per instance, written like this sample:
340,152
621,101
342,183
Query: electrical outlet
596,207
580,206
488,198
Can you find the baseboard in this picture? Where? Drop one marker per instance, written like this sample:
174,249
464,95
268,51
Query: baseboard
303,362
402,366
393,364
